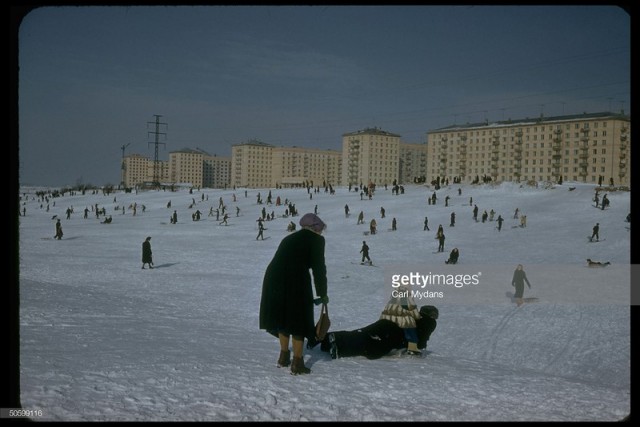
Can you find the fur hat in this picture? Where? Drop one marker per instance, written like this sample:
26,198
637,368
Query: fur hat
429,311
313,222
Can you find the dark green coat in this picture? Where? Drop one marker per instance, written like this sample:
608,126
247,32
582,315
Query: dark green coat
287,293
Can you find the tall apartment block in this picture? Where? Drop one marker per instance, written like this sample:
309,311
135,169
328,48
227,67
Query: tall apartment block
593,148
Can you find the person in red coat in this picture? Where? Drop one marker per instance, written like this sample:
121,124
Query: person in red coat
287,301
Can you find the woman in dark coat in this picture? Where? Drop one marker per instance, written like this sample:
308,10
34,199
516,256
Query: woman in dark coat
146,253
519,279
286,306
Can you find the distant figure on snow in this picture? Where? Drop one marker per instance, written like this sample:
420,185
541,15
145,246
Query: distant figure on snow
58,230
518,281
146,253
591,263
260,229
373,226
453,256
596,232
365,252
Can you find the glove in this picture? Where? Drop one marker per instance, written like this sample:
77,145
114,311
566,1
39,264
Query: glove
324,299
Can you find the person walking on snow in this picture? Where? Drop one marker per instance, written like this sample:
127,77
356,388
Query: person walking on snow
373,225
146,253
518,281
59,233
441,239
596,232
365,252
260,229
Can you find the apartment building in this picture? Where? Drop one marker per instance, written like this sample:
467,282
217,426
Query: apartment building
593,148
370,155
260,165
138,170
296,166
412,165
186,166
251,164
216,171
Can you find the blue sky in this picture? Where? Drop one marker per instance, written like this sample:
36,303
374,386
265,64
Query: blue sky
92,78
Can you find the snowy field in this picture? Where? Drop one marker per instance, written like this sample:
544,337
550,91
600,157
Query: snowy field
103,340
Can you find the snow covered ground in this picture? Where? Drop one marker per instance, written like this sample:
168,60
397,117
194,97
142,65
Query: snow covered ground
103,340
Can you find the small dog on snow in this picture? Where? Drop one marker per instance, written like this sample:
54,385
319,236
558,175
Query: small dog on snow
591,263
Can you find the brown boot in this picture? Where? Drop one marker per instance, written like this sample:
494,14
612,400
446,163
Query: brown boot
297,366
284,359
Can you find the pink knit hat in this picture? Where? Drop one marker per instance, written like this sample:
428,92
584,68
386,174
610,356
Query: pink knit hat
313,222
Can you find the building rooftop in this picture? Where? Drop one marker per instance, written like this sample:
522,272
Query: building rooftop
537,120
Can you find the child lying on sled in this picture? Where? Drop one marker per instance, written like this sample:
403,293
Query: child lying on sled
380,338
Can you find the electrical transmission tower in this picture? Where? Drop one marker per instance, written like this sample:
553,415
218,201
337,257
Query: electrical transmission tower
156,132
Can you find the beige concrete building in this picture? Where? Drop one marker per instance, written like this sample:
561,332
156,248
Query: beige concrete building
593,148
138,170
186,167
297,166
251,164
369,156
413,163
194,167
199,168
216,171
256,164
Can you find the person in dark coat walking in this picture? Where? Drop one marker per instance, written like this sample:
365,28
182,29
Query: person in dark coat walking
596,232
453,219
441,239
260,229
286,305
426,224
146,253
518,281
58,230
365,252
500,220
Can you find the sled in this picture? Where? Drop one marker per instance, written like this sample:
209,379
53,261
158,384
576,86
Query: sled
368,264
525,300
